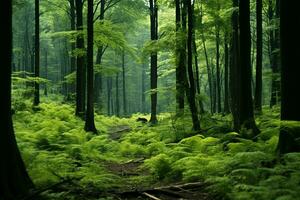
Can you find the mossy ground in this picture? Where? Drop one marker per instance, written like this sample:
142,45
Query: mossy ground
55,148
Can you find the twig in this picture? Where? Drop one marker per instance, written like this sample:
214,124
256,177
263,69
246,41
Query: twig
150,196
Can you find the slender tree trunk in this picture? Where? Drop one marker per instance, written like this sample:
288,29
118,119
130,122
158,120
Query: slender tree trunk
108,84
124,84
73,44
81,69
226,74
192,89
259,49
180,47
143,89
274,54
201,106
46,72
218,71
290,70
90,122
100,52
153,70
209,74
117,96
36,100
14,180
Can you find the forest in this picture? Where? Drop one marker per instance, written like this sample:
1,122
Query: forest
149,99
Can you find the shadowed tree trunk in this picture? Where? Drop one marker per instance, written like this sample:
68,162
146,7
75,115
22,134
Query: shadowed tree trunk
36,100
90,122
259,49
218,71
46,72
180,67
73,45
81,69
153,68
14,180
274,54
290,70
192,89
246,115
226,74
100,52
124,84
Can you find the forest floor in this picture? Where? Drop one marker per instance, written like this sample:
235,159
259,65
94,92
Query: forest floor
128,159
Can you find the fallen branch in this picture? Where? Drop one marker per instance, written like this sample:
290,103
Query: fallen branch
150,196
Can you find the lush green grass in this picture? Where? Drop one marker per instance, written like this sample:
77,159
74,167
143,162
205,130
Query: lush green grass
55,147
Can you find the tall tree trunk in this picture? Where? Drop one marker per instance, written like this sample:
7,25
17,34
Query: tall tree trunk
100,52
245,93
124,84
143,88
259,49
180,67
209,74
218,71
90,122
46,72
192,88
36,100
14,180
226,74
153,70
117,96
200,103
81,69
290,70
109,87
73,44
274,54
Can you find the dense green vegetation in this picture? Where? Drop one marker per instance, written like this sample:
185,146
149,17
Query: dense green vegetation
56,148
149,99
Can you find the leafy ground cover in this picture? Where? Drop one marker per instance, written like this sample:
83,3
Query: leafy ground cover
131,160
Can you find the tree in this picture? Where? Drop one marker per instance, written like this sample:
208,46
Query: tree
273,15
81,69
90,122
37,54
192,89
180,66
73,45
14,180
153,59
289,43
241,91
259,59
100,52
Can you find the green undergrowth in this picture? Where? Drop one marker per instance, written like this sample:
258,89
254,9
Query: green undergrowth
55,147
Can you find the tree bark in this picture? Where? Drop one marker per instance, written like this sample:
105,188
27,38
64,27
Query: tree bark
81,69
290,107
180,66
14,180
153,68
245,93
274,54
73,45
192,89
124,84
226,74
100,52
90,121
36,100
259,54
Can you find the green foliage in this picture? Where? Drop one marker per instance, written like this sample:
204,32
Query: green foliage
55,147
